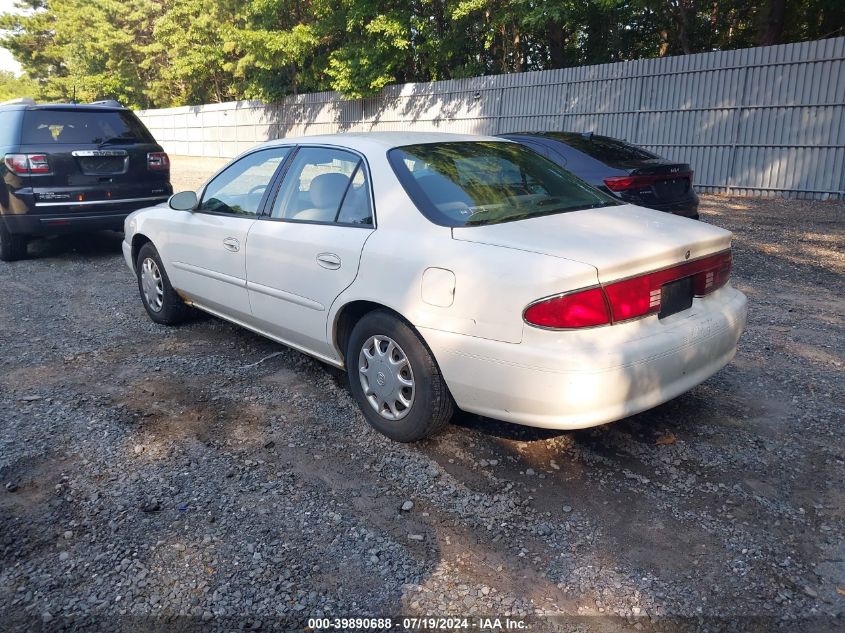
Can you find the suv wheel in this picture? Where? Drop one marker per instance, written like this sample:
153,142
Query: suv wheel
160,300
12,246
395,380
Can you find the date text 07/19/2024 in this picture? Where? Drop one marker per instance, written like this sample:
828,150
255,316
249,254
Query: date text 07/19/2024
418,624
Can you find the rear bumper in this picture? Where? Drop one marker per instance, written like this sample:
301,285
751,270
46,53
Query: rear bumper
67,218
571,380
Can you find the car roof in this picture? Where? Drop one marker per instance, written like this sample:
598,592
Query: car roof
381,141
86,107
560,136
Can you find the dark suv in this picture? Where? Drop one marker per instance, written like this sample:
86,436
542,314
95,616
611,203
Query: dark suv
74,168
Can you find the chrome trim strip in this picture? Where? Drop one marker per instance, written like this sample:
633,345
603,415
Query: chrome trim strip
51,219
100,153
211,274
76,203
285,296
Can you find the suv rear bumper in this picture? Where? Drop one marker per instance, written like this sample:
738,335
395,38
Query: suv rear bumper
66,218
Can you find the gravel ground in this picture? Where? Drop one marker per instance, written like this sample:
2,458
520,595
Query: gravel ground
202,476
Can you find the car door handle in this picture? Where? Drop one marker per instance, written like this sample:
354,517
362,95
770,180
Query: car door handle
329,260
232,244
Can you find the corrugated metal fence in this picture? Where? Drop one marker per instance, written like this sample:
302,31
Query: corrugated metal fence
758,121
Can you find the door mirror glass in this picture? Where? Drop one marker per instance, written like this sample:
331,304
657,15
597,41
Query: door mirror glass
183,201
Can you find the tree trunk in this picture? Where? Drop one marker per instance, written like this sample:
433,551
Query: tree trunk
556,42
681,18
771,28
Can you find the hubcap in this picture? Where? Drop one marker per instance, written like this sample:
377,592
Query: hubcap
151,284
386,377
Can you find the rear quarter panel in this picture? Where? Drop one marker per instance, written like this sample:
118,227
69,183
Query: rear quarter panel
493,285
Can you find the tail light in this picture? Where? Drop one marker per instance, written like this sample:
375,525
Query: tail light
158,161
627,299
638,181
26,164
585,308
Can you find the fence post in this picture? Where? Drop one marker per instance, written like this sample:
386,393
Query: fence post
729,179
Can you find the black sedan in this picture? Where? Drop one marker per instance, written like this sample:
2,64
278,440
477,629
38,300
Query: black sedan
625,171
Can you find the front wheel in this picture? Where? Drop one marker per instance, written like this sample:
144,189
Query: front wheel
160,300
395,380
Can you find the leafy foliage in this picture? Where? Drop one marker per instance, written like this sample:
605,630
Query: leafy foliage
155,53
12,87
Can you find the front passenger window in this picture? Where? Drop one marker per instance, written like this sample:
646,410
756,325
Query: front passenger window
239,189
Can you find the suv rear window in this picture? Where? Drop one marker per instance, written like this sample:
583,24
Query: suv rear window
82,127
486,182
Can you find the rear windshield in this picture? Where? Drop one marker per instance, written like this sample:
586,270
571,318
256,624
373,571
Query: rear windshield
486,182
80,127
605,149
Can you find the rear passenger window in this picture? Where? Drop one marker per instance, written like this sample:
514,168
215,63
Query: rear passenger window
356,208
325,185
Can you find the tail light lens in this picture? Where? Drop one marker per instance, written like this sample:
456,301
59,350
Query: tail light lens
638,181
38,164
585,308
627,299
26,164
158,161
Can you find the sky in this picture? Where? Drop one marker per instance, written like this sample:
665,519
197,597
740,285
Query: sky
7,62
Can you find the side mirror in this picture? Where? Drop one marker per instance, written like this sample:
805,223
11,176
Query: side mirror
183,201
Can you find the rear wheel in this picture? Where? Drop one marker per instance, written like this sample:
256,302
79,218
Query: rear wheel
160,300
395,380
12,246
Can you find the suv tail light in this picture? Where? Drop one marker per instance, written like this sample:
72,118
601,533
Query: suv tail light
26,164
626,183
627,299
158,161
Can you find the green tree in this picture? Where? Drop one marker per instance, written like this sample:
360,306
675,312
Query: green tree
152,53
12,87
192,54
85,49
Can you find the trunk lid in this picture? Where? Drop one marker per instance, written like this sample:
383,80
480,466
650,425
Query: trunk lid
619,241
669,181
653,181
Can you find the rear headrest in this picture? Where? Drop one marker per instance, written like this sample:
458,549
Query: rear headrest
326,190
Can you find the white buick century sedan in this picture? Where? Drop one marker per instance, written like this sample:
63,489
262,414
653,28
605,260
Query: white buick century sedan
445,270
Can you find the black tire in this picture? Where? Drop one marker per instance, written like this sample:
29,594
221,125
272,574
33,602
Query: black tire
431,405
172,310
12,246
